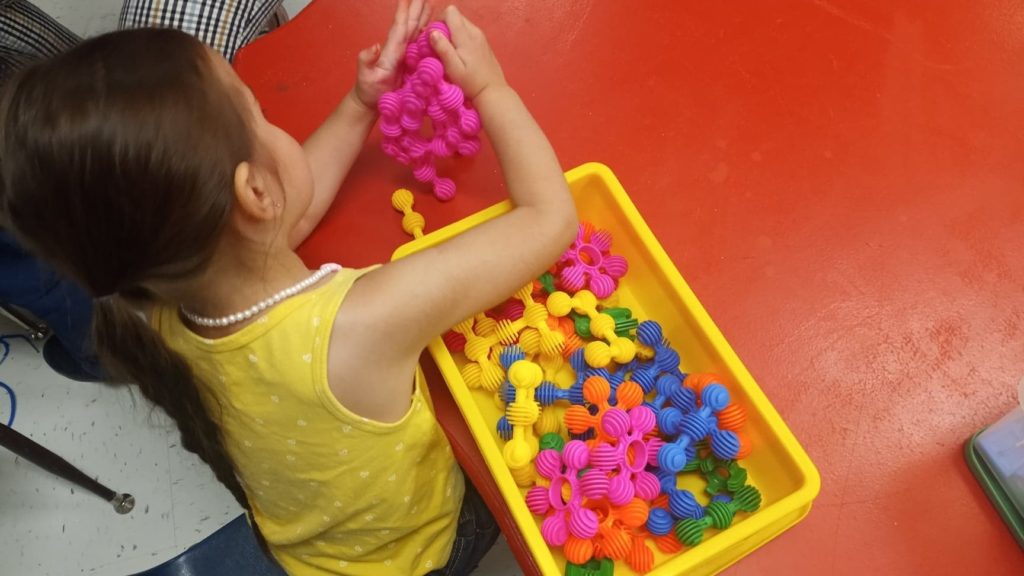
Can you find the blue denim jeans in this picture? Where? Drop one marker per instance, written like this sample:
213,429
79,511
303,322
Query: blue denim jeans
27,282
476,534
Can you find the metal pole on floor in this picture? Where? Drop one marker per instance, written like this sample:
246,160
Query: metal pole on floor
35,453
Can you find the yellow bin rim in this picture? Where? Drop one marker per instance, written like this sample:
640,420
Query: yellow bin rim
715,553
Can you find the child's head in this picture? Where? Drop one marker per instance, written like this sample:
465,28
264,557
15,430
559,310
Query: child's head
134,162
132,159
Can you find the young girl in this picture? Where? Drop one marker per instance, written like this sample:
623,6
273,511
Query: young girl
140,164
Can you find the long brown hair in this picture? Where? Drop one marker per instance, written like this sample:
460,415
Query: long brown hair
116,164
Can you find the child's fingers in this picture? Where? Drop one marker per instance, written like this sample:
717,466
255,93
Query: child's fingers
368,56
428,11
449,57
391,53
401,14
470,26
456,22
413,18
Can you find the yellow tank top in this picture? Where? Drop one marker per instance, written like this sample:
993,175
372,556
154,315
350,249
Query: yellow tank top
332,492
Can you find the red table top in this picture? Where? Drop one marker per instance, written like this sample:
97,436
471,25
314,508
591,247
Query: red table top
839,182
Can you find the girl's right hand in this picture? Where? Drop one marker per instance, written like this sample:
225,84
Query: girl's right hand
407,303
467,58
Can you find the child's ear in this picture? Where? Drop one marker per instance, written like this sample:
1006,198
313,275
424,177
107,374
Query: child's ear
251,196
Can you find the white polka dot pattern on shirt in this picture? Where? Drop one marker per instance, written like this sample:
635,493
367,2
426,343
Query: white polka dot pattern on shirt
364,474
316,321
343,452
307,358
253,358
337,504
301,423
275,398
399,446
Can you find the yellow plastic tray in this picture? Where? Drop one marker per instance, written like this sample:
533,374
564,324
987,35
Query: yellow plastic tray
653,289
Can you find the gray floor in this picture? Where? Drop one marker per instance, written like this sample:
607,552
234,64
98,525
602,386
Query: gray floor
48,527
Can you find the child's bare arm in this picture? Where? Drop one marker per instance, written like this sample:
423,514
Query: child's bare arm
333,148
404,304
331,151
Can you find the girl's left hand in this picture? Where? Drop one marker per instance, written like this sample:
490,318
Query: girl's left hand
378,67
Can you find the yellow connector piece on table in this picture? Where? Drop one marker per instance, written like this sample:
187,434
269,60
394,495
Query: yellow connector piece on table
412,222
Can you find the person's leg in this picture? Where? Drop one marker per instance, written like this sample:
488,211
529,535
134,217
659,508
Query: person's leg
28,34
65,307
224,25
475,536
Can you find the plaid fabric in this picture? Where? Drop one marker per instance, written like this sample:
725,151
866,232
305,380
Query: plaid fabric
224,25
28,30
27,34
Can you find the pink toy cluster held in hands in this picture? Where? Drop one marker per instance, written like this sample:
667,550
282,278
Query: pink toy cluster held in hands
424,95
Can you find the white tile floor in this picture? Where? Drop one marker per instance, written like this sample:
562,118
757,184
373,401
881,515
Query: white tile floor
48,528
111,434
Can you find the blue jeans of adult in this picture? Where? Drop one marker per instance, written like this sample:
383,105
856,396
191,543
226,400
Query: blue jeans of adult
63,305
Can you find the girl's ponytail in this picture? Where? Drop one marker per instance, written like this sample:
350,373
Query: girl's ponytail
131,350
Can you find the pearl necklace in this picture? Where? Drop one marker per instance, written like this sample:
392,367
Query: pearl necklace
260,307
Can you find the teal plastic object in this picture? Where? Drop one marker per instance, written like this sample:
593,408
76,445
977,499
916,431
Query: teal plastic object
995,454
603,567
